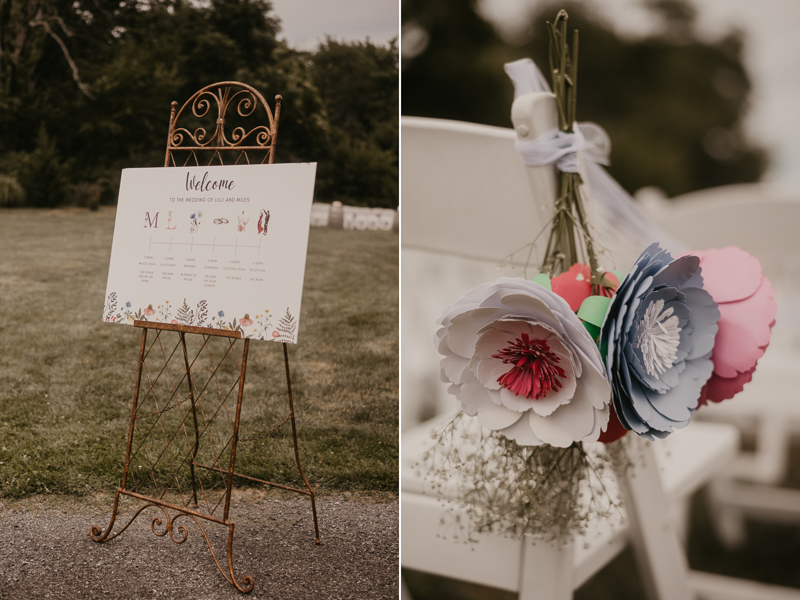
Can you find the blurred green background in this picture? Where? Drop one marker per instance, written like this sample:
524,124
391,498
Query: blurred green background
673,92
86,87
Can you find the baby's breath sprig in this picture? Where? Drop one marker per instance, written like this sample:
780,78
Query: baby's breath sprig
551,493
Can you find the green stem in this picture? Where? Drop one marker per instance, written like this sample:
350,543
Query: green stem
570,240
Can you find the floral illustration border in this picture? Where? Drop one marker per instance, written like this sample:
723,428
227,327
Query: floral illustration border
258,326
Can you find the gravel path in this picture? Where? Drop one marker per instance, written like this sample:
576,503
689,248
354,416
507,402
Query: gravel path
46,552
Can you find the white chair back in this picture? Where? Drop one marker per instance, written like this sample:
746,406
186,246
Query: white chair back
468,203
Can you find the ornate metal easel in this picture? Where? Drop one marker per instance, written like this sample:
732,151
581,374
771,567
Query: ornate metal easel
185,387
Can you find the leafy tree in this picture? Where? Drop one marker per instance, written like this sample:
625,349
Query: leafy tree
100,75
458,74
672,103
358,85
43,174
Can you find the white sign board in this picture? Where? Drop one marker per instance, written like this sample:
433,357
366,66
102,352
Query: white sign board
220,247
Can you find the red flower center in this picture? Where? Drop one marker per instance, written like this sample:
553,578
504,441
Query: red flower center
535,370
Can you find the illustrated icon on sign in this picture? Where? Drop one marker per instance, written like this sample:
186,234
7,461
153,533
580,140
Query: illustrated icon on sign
263,221
243,221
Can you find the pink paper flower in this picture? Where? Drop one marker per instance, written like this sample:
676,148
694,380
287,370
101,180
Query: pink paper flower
747,306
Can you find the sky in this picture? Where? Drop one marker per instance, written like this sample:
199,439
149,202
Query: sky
305,23
772,55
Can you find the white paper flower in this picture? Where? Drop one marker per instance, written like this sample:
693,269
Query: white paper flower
521,360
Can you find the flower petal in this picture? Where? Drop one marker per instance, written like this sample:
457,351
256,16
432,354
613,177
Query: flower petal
744,331
729,274
569,423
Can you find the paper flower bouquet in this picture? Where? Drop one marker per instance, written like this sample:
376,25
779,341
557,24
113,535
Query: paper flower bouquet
580,354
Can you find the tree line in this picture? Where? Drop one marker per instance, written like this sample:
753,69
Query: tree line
672,101
86,88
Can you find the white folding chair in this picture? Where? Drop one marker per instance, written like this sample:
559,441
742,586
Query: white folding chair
761,219
468,202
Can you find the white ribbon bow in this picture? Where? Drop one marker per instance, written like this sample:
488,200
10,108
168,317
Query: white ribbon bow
592,141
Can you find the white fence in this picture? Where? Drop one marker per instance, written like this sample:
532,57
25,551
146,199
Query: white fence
353,217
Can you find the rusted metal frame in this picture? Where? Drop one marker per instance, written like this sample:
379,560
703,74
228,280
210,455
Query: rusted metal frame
170,527
186,456
206,339
143,444
223,103
95,532
174,391
205,422
160,420
170,132
206,428
269,432
152,385
194,415
213,416
133,410
168,442
167,504
229,333
246,579
202,480
145,436
98,536
217,461
236,427
143,448
223,100
216,378
294,437
270,483
275,122
217,149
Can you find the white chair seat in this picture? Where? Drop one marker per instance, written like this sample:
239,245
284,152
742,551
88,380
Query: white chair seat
686,460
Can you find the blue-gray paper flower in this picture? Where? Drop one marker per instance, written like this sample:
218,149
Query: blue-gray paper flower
658,335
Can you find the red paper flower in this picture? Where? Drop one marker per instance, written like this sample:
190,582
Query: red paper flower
575,285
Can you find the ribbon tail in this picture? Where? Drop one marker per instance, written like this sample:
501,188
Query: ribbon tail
618,209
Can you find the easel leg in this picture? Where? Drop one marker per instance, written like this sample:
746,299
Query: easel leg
246,580
194,417
235,438
95,532
294,437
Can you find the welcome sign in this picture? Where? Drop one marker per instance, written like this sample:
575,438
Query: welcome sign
218,247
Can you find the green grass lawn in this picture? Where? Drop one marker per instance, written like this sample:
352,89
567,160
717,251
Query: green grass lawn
67,378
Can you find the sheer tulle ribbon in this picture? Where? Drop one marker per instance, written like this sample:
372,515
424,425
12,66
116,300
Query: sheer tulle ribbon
561,148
